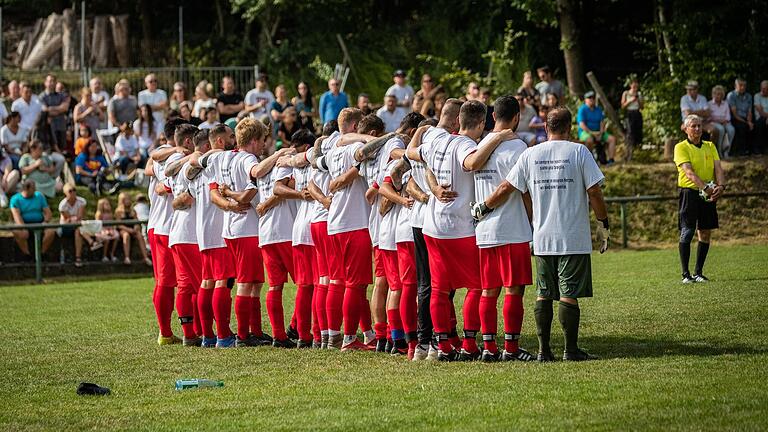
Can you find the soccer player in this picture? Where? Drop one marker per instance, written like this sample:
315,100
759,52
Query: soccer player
449,230
563,181
699,173
503,238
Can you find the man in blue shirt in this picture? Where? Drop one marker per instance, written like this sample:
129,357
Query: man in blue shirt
30,206
332,102
741,117
592,130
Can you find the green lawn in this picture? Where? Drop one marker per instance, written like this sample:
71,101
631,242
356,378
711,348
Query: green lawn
673,357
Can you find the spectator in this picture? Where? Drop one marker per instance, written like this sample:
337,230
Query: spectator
528,91
258,101
203,98
426,90
402,91
127,153
332,101
155,97
761,118
14,91
720,117
185,112
740,103
178,96
548,85
632,102
552,100
278,105
592,129
473,92
28,207
91,167
3,109
56,106
122,107
124,211
99,96
39,168
538,124
9,178
141,210
288,126
108,235
364,103
211,118
28,106
485,97
72,210
305,106
694,103
527,113
84,136
87,112
146,129
440,99
391,114
230,101
13,137
62,88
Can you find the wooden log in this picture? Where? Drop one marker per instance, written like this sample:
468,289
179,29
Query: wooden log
606,103
70,50
120,38
48,44
100,42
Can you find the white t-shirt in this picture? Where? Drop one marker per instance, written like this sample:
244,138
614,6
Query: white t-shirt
183,222
29,111
276,226
160,207
154,98
3,113
688,104
526,115
370,169
349,209
557,174
14,141
235,169
254,96
209,103
209,218
419,174
126,146
402,93
302,235
508,223
206,125
102,98
391,119
323,179
146,139
72,209
445,157
388,224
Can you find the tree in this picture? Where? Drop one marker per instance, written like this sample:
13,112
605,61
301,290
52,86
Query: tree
570,43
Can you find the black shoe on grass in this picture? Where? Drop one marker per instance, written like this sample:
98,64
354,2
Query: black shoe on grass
292,333
578,355
466,356
519,355
545,357
490,357
450,356
285,343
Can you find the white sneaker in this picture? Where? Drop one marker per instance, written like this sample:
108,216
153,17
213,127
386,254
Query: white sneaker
421,353
432,354
105,260
3,199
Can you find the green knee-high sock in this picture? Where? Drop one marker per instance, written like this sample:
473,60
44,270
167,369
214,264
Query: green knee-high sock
542,311
569,315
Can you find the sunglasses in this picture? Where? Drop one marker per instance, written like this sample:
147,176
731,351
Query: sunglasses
426,81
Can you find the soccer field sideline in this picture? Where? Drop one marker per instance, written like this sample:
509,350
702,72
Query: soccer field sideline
673,357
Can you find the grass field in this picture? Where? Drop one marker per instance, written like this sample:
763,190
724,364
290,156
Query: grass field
674,357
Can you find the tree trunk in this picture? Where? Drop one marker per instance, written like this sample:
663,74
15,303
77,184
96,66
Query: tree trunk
220,18
665,34
69,46
47,45
100,43
567,13
147,36
120,38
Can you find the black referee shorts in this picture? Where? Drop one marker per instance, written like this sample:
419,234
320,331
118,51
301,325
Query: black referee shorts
695,212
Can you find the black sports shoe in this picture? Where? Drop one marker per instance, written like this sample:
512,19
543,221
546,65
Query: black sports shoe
285,343
316,344
545,356
381,345
519,355
451,356
490,357
465,355
700,278
292,333
265,339
400,347
304,344
579,355
250,341
85,388
688,279
389,346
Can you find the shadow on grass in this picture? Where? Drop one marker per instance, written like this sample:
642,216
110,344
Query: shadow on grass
631,347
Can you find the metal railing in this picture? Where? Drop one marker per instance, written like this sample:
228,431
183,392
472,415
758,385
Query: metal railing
37,232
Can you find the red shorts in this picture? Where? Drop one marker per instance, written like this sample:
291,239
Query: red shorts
378,263
389,259
189,265
249,266
355,251
304,266
406,262
322,242
218,264
453,263
162,258
278,259
505,266
334,259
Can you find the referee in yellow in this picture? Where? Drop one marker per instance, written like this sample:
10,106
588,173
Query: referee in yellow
701,181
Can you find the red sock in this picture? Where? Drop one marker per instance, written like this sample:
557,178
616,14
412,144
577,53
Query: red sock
333,306
184,309
198,328
395,324
380,328
408,313
471,312
365,312
255,324
513,321
303,312
205,311
351,309
161,298
488,322
320,295
222,311
452,312
243,310
275,312
441,318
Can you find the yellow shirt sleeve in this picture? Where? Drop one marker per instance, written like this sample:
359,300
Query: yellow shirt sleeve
681,154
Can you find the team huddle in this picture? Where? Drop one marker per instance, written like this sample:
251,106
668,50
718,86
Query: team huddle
437,206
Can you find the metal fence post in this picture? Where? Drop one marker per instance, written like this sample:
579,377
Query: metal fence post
624,240
38,257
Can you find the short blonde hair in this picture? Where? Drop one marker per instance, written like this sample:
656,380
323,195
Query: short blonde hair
718,89
349,116
249,129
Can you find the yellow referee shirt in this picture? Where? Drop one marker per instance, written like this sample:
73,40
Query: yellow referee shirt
702,159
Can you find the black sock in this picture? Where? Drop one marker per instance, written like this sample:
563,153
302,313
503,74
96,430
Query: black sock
542,311
570,315
701,256
685,256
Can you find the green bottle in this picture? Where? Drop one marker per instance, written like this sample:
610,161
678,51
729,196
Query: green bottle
185,384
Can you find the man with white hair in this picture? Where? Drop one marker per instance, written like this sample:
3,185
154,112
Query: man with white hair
761,117
741,117
155,98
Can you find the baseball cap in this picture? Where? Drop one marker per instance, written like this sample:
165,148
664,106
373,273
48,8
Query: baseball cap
589,94
231,122
399,72
692,84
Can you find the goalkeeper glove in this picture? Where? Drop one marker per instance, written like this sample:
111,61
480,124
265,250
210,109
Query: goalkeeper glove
479,210
603,234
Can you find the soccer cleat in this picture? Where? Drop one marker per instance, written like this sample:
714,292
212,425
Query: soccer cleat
381,345
355,345
451,356
490,357
335,341
193,342
465,355
687,279
304,344
421,352
208,342
519,355
292,333
285,343
700,278
316,344
372,344
433,351
169,340
399,347
250,341
389,346
265,339
324,341
227,342
545,356
578,355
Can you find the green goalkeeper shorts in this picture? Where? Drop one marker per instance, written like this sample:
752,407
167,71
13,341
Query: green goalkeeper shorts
564,276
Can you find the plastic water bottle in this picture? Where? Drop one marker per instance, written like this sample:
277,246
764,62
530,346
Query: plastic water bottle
186,384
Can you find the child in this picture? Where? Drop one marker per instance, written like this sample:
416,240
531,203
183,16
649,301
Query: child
211,118
125,212
84,137
141,209
108,235
127,149
537,124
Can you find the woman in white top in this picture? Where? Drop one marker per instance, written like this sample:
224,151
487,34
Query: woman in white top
127,150
632,102
211,118
13,137
203,98
720,118
145,128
